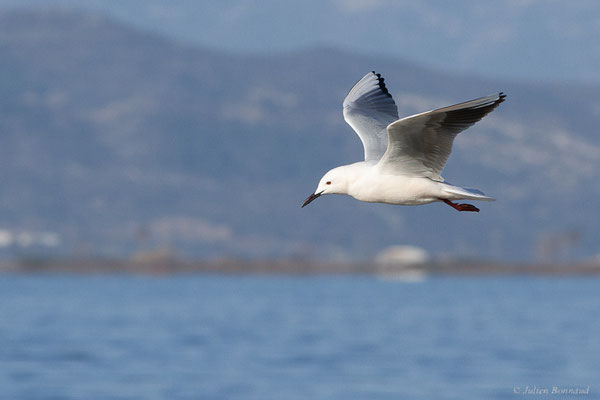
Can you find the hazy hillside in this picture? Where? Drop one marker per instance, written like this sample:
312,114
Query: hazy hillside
527,40
116,140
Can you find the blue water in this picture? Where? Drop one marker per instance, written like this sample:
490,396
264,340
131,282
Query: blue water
214,337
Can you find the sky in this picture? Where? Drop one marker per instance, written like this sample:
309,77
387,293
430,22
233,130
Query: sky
525,40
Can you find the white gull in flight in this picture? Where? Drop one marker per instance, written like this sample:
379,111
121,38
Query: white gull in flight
404,157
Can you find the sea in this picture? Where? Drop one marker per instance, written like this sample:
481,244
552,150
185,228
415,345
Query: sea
282,337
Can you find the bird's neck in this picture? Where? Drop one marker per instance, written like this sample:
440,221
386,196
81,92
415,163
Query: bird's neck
353,176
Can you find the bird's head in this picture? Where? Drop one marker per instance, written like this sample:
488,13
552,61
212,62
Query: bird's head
334,181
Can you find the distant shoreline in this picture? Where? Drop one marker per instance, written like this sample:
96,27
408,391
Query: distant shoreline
170,266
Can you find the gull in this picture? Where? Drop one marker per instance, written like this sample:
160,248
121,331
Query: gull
404,157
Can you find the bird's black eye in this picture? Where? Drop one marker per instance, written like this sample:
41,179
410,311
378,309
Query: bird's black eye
328,183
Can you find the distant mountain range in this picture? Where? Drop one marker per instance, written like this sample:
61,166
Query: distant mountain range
116,140
526,39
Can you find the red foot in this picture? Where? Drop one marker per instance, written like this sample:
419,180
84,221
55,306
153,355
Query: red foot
461,207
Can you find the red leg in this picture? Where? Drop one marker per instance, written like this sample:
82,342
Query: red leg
462,206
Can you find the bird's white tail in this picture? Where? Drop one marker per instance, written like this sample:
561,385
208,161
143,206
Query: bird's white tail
466,193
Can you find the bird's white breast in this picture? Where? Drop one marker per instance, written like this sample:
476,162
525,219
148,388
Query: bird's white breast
372,186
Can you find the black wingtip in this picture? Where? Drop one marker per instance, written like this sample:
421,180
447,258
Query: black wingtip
381,82
501,98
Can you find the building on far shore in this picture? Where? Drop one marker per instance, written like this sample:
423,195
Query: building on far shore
402,262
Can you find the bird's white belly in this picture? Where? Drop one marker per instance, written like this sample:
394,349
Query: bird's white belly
396,189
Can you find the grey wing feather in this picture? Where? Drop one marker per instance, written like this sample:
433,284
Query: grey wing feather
421,144
369,108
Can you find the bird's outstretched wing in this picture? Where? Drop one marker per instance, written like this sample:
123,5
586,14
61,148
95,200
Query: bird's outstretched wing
369,108
420,145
